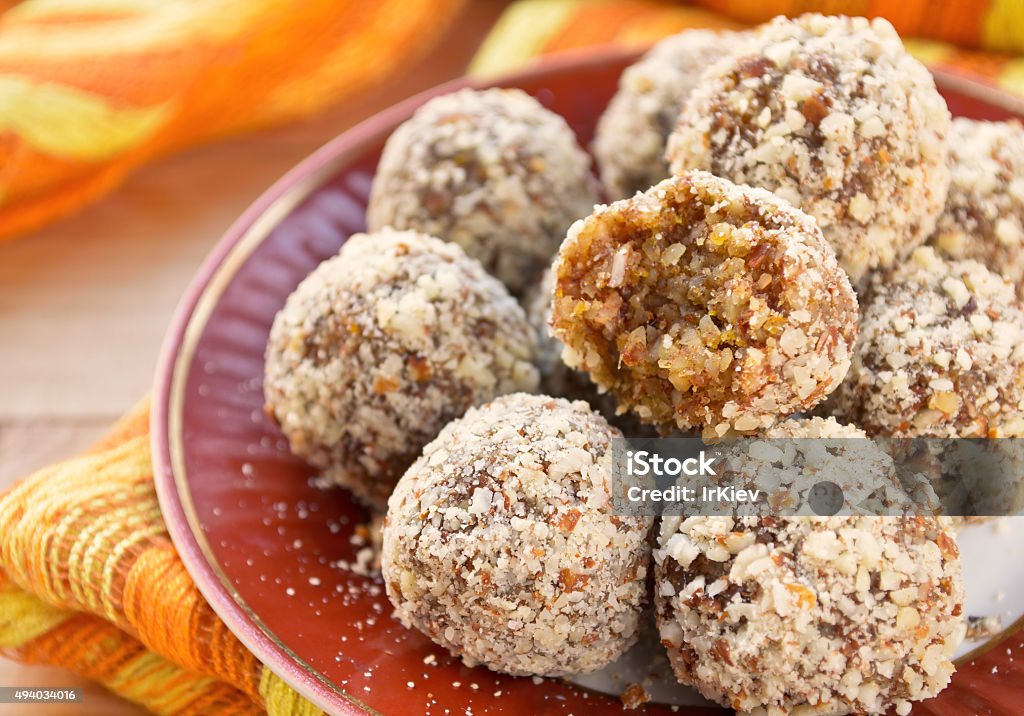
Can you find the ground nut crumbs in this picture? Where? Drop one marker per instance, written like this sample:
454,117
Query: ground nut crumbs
979,628
492,171
984,215
630,142
940,354
634,696
500,543
788,461
838,615
704,304
384,344
833,115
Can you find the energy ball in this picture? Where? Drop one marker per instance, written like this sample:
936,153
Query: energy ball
984,215
833,115
824,616
630,142
501,544
492,171
940,354
704,304
384,344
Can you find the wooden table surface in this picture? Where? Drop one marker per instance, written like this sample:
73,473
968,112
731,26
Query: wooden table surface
84,303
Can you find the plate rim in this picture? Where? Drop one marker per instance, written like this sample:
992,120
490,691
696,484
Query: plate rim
219,267
190,317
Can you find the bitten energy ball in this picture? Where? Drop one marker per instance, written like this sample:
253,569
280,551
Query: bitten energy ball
703,304
381,346
984,215
630,141
838,615
501,545
833,115
492,171
940,354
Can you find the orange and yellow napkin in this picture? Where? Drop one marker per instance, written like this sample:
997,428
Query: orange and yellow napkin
91,89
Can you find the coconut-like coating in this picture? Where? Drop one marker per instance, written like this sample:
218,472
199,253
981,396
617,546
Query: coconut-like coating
501,543
836,615
494,172
630,141
384,344
703,304
826,428
556,378
789,461
832,114
940,354
984,215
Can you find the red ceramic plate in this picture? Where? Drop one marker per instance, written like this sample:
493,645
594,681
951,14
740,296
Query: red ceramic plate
267,547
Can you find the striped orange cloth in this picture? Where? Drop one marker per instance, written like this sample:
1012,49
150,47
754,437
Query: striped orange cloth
986,24
90,581
91,89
